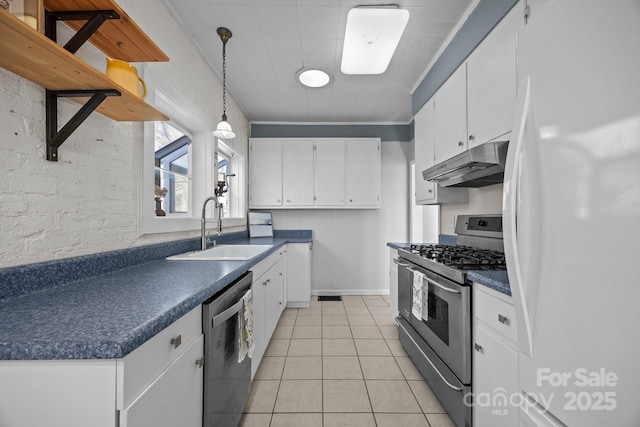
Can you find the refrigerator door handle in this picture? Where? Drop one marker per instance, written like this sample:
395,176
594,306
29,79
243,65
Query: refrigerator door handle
511,183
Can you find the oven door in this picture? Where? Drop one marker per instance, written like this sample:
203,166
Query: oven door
446,322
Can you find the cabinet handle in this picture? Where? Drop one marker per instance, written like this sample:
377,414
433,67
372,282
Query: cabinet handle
430,191
278,200
175,342
350,200
281,274
503,319
200,362
478,347
460,143
288,200
471,137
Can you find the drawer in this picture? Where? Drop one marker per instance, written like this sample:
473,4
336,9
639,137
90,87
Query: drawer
260,268
496,313
140,367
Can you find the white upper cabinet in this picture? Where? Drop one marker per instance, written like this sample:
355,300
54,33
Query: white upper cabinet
329,173
265,173
297,178
424,151
343,173
427,192
451,116
362,173
491,81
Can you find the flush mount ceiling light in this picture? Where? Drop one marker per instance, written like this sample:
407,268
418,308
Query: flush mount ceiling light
313,77
223,130
371,38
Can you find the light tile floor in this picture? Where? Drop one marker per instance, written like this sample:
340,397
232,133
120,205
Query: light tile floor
340,363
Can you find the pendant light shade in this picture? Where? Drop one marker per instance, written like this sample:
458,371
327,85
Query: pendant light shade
224,130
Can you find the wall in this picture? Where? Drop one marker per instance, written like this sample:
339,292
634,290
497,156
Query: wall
484,200
88,201
349,254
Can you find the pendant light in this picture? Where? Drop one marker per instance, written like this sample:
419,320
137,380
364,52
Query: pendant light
223,130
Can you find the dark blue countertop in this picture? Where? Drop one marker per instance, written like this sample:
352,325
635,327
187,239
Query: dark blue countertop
110,315
495,279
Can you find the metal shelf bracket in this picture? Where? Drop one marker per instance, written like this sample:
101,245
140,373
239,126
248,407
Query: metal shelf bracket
55,138
94,18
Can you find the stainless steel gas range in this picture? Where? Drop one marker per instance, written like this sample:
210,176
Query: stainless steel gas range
434,301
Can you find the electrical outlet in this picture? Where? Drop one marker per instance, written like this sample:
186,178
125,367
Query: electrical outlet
452,221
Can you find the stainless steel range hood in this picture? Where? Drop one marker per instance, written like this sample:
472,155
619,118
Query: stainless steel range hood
477,167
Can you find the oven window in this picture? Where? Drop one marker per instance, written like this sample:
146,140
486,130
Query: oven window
438,317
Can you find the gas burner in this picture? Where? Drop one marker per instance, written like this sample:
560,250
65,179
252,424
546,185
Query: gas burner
461,257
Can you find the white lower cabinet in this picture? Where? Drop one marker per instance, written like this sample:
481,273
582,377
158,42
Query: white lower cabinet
393,283
174,398
158,384
298,275
268,303
495,359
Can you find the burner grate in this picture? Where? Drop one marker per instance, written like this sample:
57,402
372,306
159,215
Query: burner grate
461,257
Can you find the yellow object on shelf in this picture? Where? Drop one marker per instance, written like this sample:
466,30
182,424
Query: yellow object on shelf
126,75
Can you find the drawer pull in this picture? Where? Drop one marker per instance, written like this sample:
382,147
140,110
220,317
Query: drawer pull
200,362
175,342
478,347
503,319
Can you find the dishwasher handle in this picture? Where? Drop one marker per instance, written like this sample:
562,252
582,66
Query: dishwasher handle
227,314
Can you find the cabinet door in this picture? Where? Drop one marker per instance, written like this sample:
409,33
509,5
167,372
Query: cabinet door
393,283
259,334
451,116
427,192
265,176
362,172
274,298
298,275
174,398
297,182
495,367
491,81
424,151
329,173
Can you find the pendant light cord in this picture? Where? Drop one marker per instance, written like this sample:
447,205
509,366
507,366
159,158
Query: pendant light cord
224,80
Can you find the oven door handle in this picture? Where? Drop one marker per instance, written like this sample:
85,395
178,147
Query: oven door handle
444,288
401,264
448,384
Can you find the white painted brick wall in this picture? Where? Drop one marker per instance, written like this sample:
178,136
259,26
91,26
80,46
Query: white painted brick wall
87,202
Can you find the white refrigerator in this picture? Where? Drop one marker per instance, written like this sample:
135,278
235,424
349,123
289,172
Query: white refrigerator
572,214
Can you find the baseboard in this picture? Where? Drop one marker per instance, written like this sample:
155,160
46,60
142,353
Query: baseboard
383,292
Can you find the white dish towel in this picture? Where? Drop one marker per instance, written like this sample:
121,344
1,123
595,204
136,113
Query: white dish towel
417,300
245,327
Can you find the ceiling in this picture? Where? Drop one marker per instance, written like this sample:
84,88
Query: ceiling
273,39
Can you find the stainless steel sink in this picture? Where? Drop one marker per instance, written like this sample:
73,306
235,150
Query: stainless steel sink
224,253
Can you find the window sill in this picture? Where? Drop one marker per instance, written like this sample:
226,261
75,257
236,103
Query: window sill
176,223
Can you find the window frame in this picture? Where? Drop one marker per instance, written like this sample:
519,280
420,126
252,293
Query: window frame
185,116
238,165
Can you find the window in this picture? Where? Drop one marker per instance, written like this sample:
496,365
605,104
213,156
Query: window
181,155
230,180
172,170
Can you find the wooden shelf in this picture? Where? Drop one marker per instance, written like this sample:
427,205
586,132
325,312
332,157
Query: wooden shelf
33,56
117,38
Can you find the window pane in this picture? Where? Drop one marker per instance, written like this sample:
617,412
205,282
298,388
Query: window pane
172,166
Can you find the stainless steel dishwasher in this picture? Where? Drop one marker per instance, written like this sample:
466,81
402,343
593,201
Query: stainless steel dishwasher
226,382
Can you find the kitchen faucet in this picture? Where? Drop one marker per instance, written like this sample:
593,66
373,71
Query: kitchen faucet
203,221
